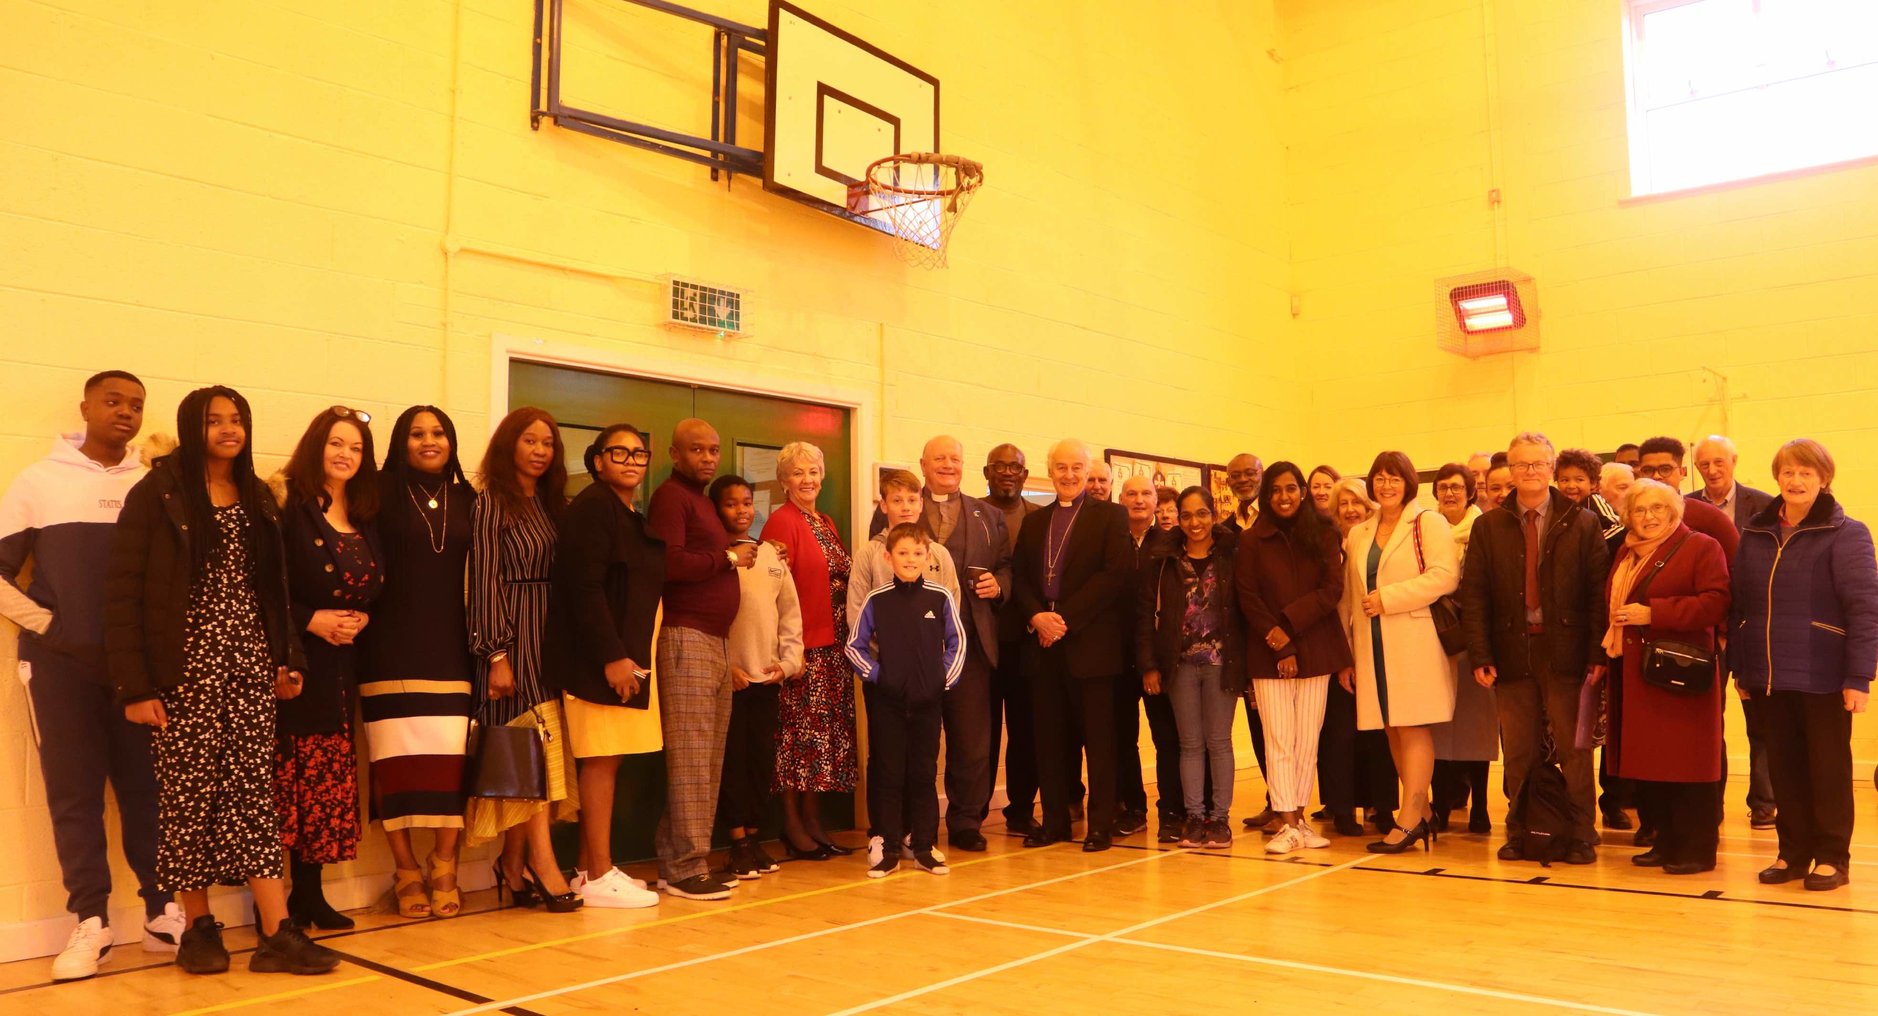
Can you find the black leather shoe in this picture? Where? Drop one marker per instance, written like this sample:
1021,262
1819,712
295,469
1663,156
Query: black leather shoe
1479,825
1438,821
1824,883
1382,821
1688,868
1648,859
1095,843
1346,824
1644,838
1262,819
1020,826
1509,851
1774,874
1762,818
835,849
1617,820
1320,814
1040,838
968,839
1581,853
794,853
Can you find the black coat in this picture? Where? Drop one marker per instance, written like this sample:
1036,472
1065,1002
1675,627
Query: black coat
1162,611
608,573
1094,567
147,589
1572,569
314,583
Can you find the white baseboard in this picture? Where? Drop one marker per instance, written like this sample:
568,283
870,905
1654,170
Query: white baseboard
233,907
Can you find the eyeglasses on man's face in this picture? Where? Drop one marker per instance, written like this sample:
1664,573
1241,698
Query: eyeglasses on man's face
1530,468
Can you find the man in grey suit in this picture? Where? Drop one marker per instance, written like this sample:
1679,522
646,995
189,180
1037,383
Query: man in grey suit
973,533
1715,459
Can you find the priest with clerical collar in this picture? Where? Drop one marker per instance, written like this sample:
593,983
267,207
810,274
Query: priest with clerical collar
1069,577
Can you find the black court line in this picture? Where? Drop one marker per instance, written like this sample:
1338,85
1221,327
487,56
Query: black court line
322,939
424,982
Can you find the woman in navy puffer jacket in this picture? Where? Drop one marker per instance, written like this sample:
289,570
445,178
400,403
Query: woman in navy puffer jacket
1805,641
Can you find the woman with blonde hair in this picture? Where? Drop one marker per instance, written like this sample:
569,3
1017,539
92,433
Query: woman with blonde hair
1354,769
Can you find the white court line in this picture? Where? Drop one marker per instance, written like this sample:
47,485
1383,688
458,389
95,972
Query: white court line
806,936
1093,939
1312,967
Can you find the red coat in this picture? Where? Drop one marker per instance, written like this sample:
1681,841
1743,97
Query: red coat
1662,735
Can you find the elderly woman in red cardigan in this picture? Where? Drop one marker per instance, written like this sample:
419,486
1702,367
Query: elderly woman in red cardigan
815,716
1669,585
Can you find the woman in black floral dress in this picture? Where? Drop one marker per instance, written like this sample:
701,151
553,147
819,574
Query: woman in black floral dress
333,576
201,644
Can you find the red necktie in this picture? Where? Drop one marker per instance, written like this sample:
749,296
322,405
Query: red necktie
1532,561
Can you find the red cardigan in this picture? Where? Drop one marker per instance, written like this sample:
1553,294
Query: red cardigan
1662,735
809,567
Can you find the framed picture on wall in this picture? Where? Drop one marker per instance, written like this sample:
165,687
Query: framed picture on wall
1225,502
757,464
1160,470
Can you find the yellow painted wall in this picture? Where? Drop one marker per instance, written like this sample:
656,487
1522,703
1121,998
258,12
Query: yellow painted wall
1771,284
265,198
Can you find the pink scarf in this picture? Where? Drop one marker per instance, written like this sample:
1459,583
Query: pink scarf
1637,553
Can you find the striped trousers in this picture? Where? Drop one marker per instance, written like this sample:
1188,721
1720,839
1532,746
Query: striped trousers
1293,709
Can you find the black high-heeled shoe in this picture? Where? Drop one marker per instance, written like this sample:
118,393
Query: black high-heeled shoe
834,849
557,903
522,897
1420,832
795,853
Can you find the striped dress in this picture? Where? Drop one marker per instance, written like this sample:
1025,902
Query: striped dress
414,678
511,555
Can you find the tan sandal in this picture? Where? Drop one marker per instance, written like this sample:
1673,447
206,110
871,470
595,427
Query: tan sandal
408,886
444,902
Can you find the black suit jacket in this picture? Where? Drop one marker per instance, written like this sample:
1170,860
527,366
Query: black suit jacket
1095,565
978,541
1748,503
1572,569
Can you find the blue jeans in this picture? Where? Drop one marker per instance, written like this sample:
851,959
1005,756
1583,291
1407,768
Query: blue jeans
1203,712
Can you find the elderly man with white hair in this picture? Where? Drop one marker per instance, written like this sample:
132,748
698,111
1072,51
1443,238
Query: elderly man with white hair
1069,577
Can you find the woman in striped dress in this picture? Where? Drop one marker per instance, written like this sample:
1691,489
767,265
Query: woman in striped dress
511,553
414,688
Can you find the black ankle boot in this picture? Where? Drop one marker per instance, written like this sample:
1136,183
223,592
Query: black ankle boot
306,901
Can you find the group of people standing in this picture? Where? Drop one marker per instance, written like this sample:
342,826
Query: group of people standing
203,640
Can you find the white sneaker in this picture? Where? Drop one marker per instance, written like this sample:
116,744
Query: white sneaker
614,889
1287,840
580,879
1312,840
89,943
164,932
876,851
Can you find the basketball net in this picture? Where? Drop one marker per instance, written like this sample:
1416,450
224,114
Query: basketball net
921,195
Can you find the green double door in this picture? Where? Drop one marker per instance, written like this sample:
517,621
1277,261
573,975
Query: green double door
751,428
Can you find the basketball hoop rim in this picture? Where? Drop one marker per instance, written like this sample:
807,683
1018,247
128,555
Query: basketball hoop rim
971,174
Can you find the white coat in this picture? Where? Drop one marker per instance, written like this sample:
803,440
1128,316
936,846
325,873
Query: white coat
1417,676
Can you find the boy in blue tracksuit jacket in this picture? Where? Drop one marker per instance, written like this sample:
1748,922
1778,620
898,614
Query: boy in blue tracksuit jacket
908,647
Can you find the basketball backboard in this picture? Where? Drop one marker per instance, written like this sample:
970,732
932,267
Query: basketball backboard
836,103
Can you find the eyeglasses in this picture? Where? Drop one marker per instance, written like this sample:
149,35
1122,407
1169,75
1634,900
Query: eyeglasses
619,455
1530,467
1653,511
348,413
1652,472
1005,467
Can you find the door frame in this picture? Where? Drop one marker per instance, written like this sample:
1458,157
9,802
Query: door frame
863,414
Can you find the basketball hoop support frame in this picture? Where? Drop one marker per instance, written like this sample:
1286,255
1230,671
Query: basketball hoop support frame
720,151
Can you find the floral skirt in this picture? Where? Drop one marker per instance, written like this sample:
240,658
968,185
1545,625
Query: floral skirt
316,793
815,725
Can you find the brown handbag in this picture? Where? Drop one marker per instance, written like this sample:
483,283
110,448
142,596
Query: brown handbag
1446,610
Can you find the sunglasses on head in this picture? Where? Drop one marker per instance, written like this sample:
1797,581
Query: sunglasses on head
348,413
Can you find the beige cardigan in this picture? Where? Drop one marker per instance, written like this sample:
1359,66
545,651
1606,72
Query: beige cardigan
768,628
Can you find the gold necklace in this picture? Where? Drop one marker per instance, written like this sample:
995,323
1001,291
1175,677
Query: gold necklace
436,538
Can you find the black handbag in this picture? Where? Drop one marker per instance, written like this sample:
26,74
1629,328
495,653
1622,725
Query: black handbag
1446,610
508,761
1674,666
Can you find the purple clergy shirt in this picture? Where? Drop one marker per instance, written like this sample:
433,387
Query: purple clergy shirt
1061,517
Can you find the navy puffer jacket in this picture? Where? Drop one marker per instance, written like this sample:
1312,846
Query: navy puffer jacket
1805,614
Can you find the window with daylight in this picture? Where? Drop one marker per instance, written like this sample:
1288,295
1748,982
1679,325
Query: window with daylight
1726,90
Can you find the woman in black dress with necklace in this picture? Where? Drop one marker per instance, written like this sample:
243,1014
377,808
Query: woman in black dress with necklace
414,681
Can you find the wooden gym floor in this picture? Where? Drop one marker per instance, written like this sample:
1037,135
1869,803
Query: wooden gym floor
1139,928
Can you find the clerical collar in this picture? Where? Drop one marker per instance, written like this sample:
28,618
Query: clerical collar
936,496
1072,502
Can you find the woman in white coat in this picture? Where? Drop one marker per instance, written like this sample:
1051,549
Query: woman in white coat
1397,564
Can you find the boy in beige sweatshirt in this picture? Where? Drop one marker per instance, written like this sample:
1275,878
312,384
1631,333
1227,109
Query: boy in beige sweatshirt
765,649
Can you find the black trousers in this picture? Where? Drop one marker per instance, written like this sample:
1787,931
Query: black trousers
1761,796
1354,767
1456,783
1810,750
967,717
749,757
1166,738
1686,817
1010,713
903,767
1615,792
1059,700
1257,726
84,743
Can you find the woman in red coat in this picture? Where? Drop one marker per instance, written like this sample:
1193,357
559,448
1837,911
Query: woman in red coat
1669,584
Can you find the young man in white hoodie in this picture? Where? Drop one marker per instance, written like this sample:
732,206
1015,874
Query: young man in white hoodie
60,514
